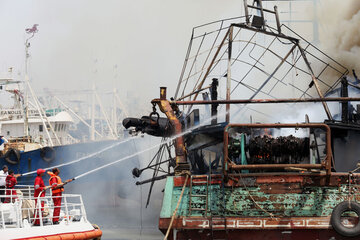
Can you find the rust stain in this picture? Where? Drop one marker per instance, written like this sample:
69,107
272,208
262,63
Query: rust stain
281,188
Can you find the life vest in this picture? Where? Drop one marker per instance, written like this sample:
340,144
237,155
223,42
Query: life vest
58,179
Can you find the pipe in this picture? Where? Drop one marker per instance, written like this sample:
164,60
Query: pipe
275,166
154,179
246,9
259,3
345,104
166,107
214,96
228,74
278,25
315,82
254,101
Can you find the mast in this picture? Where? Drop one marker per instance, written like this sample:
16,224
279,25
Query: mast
28,87
76,115
228,81
31,31
105,117
26,112
114,112
92,129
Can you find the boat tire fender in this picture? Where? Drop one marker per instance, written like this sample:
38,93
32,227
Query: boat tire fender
12,156
336,219
47,154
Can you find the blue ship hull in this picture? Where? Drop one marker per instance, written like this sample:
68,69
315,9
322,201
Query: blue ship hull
111,197
32,160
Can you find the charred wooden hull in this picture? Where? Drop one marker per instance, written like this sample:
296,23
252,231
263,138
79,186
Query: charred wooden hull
257,206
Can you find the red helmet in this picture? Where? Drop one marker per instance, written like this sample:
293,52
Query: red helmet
40,171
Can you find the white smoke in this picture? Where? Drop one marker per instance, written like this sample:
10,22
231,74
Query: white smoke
340,32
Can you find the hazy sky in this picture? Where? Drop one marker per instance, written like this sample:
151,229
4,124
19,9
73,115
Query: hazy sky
135,45
81,41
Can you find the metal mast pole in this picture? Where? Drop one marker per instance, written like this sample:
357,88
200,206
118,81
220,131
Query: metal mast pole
92,129
228,82
76,115
40,114
31,31
122,106
26,112
105,117
114,112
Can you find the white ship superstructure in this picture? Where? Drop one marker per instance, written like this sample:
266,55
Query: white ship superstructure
12,126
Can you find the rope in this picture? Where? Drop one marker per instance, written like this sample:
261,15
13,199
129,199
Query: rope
177,206
349,190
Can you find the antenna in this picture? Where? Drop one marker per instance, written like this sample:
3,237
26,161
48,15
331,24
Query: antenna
32,32
42,113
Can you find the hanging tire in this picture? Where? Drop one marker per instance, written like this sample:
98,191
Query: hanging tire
336,219
47,154
12,156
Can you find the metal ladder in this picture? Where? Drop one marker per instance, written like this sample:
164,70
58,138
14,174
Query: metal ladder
205,196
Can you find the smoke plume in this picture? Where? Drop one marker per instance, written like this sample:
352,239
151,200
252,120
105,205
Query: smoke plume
340,36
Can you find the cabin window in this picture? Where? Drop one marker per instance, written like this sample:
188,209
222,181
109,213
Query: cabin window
41,128
8,133
63,127
56,127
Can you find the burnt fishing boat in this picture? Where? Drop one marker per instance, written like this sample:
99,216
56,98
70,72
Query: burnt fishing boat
239,178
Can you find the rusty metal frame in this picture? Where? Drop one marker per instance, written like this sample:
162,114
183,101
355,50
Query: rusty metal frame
227,39
167,108
326,164
291,39
255,101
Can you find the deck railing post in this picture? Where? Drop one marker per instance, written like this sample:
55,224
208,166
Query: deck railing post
2,218
83,212
39,209
66,209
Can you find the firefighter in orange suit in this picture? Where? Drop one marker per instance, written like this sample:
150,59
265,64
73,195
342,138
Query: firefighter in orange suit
57,187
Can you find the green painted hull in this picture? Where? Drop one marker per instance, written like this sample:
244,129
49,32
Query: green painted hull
252,201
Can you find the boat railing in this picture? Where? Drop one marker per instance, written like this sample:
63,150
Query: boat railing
22,209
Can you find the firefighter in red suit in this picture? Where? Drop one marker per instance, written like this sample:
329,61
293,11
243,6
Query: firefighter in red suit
57,187
10,185
39,187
